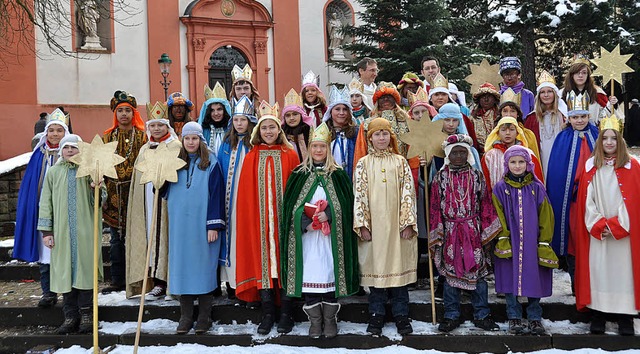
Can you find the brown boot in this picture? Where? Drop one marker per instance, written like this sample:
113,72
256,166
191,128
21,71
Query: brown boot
205,302
186,314
330,312
314,312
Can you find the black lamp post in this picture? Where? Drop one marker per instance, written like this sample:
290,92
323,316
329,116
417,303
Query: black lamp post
165,63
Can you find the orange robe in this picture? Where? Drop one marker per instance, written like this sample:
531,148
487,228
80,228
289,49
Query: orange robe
262,182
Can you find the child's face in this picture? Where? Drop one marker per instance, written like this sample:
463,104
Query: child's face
517,165
340,115
158,130
242,88
292,118
418,112
579,122
318,151
509,111
269,132
179,112
124,114
381,139
356,100
547,96
409,87
458,156
241,123
217,112
511,77
310,94
487,101
580,77
69,151
507,134
609,143
450,125
55,133
191,143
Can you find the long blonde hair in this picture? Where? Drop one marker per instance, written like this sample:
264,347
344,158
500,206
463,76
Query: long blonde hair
330,164
622,154
554,108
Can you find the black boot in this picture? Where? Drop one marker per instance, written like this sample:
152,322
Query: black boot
205,302
598,322
186,314
86,320
285,325
70,325
268,311
625,325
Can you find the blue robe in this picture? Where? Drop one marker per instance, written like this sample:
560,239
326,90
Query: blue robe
229,177
563,162
27,237
195,204
342,152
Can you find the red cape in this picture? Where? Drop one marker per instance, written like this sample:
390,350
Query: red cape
630,189
250,232
531,123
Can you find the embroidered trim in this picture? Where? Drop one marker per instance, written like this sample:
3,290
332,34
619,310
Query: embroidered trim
73,220
215,221
43,222
277,170
319,285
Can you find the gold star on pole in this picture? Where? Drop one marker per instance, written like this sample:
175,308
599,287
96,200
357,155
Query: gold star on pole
97,159
424,138
160,165
483,73
612,65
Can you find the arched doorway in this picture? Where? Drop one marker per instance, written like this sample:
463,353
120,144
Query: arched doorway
221,63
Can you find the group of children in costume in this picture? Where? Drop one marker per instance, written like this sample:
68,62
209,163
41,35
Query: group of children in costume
320,200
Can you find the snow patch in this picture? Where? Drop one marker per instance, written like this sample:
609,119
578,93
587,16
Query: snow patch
503,37
11,164
6,243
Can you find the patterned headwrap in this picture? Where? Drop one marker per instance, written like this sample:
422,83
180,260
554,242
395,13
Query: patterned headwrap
383,124
178,99
123,98
463,140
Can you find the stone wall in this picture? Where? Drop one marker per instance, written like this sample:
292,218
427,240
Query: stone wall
9,186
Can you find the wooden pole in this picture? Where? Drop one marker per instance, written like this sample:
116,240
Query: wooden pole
152,236
426,217
97,242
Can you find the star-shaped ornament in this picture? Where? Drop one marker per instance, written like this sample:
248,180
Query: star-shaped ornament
97,159
160,165
612,65
424,138
483,73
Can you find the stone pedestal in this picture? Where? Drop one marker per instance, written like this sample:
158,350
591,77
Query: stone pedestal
92,43
337,54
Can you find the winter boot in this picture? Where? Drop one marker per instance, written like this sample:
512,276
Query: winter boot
330,312
285,325
314,312
86,320
70,325
403,325
186,314
376,322
598,322
268,311
205,302
625,325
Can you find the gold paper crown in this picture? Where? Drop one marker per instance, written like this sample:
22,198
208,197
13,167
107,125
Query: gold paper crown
267,110
217,92
611,122
321,133
356,85
292,99
581,59
238,73
578,102
510,96
58,116
545,76
420,96
440,81
157,111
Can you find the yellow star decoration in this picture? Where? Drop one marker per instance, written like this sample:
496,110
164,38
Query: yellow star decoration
97,159
612,65
483,73
160,165
424,138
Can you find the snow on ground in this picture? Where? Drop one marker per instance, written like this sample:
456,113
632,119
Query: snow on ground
6,243
14,162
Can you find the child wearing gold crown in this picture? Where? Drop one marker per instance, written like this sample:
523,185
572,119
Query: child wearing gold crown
296,123
28,245
264,175
215,117
316,232
571,149
606,238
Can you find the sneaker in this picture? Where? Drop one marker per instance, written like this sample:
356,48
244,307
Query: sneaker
536,328
403,324
448,325
158,291
48,300
516,327
487,323
113,288
376,322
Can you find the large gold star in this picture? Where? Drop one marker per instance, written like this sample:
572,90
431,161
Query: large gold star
424,138
612,65
160,165
483,73
97,159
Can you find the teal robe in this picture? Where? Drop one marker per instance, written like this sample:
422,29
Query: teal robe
300,188
66,208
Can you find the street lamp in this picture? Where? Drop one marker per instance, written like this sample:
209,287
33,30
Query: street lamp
165,63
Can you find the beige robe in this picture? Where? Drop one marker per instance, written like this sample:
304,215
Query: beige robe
385,203
136,240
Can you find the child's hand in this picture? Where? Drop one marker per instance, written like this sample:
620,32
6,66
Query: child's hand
322,216
613,100
365,234
212,235
606,232
93,185
48,242
406,233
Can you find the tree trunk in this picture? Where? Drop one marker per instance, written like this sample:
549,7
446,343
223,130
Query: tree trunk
529,58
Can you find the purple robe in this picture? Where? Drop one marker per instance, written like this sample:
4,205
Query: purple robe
528,206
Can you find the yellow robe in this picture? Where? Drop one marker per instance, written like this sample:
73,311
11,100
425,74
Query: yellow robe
385,203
